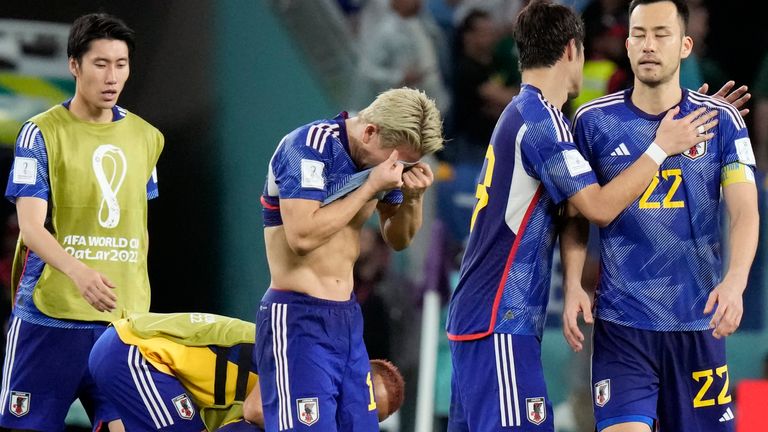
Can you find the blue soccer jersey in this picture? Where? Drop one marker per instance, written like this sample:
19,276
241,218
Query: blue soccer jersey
30,145
312,162
532,166
660,258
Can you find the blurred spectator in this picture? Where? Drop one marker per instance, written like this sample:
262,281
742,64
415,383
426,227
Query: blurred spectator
606,69
398,48
483,86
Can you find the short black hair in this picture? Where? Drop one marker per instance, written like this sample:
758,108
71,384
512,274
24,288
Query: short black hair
88,28
682,9
542,32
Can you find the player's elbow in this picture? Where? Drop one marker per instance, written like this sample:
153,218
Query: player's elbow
598,216
300,243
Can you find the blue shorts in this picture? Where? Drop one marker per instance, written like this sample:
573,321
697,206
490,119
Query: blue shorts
678,380
146,398
313,367
45,370
498,384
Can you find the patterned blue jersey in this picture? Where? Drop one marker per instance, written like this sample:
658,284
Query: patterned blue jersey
660,258
30,143
312,162
531,166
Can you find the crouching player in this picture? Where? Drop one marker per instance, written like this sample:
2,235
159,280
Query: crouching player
192,372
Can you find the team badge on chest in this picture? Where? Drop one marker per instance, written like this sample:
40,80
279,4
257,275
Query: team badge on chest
309,411
696,151
184,406
536,410
602,392
19,403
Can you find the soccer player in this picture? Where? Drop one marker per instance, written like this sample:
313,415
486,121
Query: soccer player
192,372
81,178
532,166
309,347
663,306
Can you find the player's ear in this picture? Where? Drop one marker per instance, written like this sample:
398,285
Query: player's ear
687,47
74,67
369,131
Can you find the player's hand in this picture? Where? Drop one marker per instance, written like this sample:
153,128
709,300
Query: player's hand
730,308
577,301
675,136
95,288
416,180
738,98
387,175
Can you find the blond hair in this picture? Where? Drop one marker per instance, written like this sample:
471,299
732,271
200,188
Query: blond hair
406,116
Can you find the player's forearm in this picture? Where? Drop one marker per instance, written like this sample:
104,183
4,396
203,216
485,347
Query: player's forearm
743,233
573,250
41,242
620,192
399,229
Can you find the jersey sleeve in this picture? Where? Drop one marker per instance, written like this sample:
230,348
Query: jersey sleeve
300,169
152,190
29,173
737,159
555,160
394,197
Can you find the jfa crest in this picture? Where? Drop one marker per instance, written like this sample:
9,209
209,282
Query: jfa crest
602,392
536,410
184,406
19,403
309,411
696,151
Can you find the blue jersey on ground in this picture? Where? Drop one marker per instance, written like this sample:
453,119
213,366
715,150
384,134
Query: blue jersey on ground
30,143
531,167
660,258
312,162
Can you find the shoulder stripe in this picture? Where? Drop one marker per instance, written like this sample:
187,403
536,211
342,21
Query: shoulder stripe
602,104
27,135
318,134
733,113
613,97
563,132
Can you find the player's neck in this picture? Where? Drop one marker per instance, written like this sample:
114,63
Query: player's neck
81,109
550,82
353,127
659,99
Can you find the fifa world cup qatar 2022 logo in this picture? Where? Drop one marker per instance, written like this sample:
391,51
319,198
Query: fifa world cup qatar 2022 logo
110,167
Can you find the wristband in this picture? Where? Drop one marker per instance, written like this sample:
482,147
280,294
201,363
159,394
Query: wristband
656,153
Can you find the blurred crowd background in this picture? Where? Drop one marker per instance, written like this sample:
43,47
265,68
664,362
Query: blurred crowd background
225,80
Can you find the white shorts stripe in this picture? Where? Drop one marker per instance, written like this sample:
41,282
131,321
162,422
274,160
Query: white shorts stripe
140,386
154,390
279,349
10,356
513,374
502,408
284,335
505,376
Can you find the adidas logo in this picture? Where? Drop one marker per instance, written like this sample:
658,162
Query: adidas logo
621,150
728,416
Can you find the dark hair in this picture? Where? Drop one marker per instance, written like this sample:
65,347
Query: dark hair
542,32
682,9
97,26
468,23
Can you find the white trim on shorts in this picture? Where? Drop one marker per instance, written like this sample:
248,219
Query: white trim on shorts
507,380
145,385
280,350
10,357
